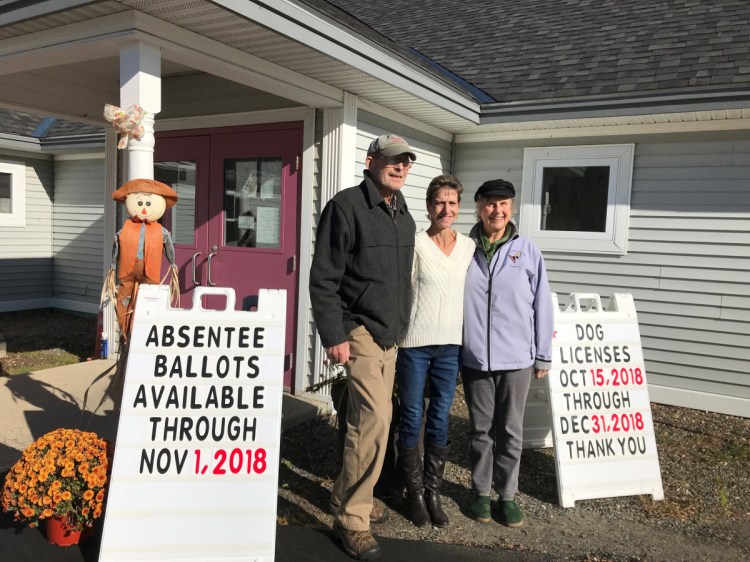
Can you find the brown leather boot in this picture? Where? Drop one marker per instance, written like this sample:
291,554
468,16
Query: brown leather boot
434,467
410,463
360,545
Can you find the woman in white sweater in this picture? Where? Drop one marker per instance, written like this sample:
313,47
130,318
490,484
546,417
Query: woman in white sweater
430,352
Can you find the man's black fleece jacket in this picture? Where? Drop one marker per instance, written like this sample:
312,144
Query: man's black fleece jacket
361,270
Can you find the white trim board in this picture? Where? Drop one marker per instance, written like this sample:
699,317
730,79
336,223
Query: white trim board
550,130
729,405
304,238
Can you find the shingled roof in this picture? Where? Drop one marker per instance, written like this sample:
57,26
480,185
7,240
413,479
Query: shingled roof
555,50
23,124
18,123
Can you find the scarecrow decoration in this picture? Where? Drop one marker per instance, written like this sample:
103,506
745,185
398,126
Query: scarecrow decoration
138,248
136,259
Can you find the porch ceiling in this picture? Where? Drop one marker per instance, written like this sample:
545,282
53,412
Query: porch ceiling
196,35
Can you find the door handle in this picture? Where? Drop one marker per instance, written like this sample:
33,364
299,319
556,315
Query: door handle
195,256
210,257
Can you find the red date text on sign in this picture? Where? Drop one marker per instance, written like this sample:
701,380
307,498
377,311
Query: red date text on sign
623,376
602,423
236,461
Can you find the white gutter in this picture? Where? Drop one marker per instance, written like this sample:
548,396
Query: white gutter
310,29
19,143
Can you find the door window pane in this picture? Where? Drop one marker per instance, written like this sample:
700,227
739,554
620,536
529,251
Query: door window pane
575,198
180,176
252,202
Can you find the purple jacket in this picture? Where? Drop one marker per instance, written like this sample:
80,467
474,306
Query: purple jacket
508,316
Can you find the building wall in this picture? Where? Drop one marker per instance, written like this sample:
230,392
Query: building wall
687,263
78,233
26,251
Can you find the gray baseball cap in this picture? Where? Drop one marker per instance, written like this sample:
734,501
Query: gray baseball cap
390,145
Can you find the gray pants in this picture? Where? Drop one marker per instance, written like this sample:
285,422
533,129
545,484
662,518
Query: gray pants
496,401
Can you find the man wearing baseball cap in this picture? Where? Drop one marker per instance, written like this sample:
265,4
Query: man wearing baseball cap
360,288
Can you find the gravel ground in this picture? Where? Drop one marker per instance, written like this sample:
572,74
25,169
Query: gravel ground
704,459
705,467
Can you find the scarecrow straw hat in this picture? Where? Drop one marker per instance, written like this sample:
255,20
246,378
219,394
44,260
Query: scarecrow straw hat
143,185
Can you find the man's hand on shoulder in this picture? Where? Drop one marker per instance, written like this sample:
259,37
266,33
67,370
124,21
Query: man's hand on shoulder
338,354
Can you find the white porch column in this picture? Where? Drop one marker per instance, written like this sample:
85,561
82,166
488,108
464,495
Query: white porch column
339,147
338,169
140,84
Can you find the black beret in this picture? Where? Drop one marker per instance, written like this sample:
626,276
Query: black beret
501,188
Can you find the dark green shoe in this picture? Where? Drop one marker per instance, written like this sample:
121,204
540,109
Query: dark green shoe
510,514
479,509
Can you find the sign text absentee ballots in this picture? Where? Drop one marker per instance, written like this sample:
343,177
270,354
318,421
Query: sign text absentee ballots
195,471
602,426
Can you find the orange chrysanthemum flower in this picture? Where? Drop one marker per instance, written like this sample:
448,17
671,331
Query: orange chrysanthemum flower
59,474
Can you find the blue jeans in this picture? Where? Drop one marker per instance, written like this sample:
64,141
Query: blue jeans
438,365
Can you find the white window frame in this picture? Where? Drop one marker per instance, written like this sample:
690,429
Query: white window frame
619,159
17,217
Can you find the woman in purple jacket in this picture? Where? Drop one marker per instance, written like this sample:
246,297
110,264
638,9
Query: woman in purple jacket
508,326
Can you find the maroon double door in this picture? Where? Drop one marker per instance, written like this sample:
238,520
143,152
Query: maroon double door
236,223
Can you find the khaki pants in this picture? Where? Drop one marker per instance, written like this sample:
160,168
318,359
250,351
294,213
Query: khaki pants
370,374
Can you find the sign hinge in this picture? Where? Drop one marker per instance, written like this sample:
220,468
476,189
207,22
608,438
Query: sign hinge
296,164
294,263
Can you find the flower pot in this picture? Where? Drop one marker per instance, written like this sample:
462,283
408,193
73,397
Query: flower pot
58,531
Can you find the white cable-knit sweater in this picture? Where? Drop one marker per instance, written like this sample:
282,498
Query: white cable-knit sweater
437,283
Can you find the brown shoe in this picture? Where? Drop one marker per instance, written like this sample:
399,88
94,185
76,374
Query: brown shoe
360,545
378,515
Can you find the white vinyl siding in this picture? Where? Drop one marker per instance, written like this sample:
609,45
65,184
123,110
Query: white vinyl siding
26,251
310,342
687,265
78,231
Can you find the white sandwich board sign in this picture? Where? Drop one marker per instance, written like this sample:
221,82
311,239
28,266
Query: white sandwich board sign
195,470
602,427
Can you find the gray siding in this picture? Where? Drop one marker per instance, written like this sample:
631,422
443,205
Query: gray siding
687,263
26,251
78,230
